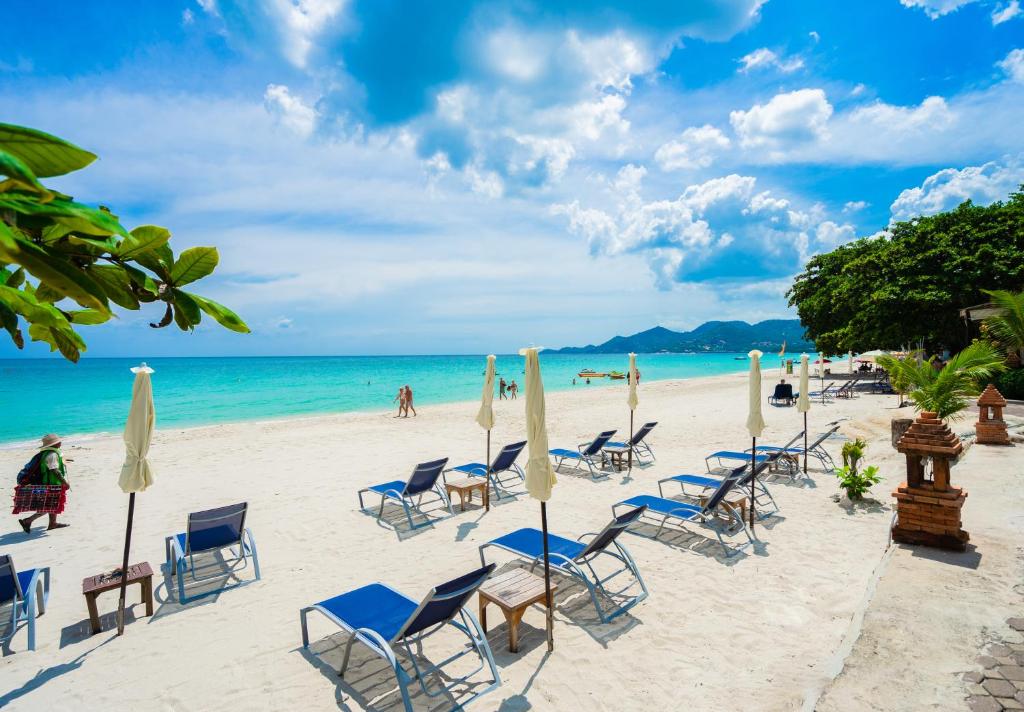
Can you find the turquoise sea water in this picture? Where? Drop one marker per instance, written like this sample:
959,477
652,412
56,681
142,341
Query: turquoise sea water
38,396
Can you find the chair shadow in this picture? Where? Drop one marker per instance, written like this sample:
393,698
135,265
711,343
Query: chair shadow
393,519
604,475
800,482
45,675
166,593
690,541
20,536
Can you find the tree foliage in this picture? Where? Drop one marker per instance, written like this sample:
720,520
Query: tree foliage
897,289
55,252
945,391
1006,328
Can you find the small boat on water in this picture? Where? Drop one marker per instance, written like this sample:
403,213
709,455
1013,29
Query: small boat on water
739,358
616,375
587,373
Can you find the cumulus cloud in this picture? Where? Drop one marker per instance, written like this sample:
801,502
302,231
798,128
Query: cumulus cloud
1013,65
300,22
695,148
791,118
948,188
765,58
1006,12
289,109
855,206
936,8
708,232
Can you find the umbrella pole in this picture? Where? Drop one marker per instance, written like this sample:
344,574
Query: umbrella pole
753,476
547,576
630,442
805,442
487,464
124,565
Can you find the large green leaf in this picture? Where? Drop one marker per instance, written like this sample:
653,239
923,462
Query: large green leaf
44,154
88,317
66,340
34,311
55,271
158,260
78,217
143,281
20,175
142,239
9,321
224,316
194,263
187,307
115,283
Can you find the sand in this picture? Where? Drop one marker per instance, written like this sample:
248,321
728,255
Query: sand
759,630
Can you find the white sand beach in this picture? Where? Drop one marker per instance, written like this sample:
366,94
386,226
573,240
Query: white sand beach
767,629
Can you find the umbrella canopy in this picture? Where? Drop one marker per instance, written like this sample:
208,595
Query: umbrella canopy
540,477
803,401
873,353
755,420
485,416
633,400
136,474
823,360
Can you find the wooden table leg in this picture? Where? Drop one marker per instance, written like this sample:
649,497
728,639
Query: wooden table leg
512,618
483,613
147,594
94,614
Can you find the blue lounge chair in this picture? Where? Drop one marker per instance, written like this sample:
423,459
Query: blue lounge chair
783,394
380,617
585,454
816,449
27,593
209,532
640,447
502,469
424,478
569,557
710,514
743,475
733,455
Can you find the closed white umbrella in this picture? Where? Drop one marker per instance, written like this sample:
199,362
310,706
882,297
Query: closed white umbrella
633,401
755,420
540,477
849,358
803,401
821,373
136,474
485,417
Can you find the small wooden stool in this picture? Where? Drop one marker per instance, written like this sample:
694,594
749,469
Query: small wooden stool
93,586
513,592
465,489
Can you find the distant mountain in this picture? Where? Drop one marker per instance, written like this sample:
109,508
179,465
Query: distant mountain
711,336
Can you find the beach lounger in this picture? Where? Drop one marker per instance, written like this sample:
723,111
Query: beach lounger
383,619
733,455
585,454
640,447
816,449
742,474
26,592
503,467
846,390
829,393
424,479
210,532
571,557
783,394
713,514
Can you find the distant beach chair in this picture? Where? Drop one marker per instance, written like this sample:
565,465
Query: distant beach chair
585,454
569,557
816,449
27,593
424,478
381,618
501,469
735,456
846,390
783,394
710,514
743,476
829,392
640,447
208,532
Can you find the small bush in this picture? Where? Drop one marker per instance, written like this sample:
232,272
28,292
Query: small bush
1011,384
857,483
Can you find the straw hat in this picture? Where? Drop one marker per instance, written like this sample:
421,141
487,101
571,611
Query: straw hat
51,440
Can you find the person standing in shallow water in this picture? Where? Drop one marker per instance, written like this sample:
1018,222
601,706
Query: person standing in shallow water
408,402
502,387
401,402
51,472
513,389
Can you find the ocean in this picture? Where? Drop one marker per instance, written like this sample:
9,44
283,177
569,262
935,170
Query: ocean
38,396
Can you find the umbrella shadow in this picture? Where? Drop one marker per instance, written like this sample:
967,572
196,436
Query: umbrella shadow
45,675
519,702
82,630
370,683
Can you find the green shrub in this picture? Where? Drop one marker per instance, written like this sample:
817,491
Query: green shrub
1011,384
857,483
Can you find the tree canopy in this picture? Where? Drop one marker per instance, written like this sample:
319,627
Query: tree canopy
55,252
909,285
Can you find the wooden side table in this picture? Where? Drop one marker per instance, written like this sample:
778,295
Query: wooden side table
93,586
513,592
618,456
736,503
465,489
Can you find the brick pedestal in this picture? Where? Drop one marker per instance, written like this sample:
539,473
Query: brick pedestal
991,428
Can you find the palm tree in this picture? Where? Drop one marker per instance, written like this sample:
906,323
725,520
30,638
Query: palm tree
1007,327
947,391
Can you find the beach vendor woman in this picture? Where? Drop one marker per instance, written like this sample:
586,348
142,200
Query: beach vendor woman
42,488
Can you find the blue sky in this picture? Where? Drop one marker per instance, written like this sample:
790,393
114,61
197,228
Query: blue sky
398,177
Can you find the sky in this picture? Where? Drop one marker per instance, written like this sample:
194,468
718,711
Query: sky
466,177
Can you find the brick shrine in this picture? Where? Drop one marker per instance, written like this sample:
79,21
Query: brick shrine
991,428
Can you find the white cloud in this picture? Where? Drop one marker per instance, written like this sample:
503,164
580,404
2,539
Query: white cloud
932,113
936,8
765,58
1006,12
832,234
187,18
300,22
591,119
1013,65
814,36
611,60
855,206
695,148
948,188
795,117
209,6
289,109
